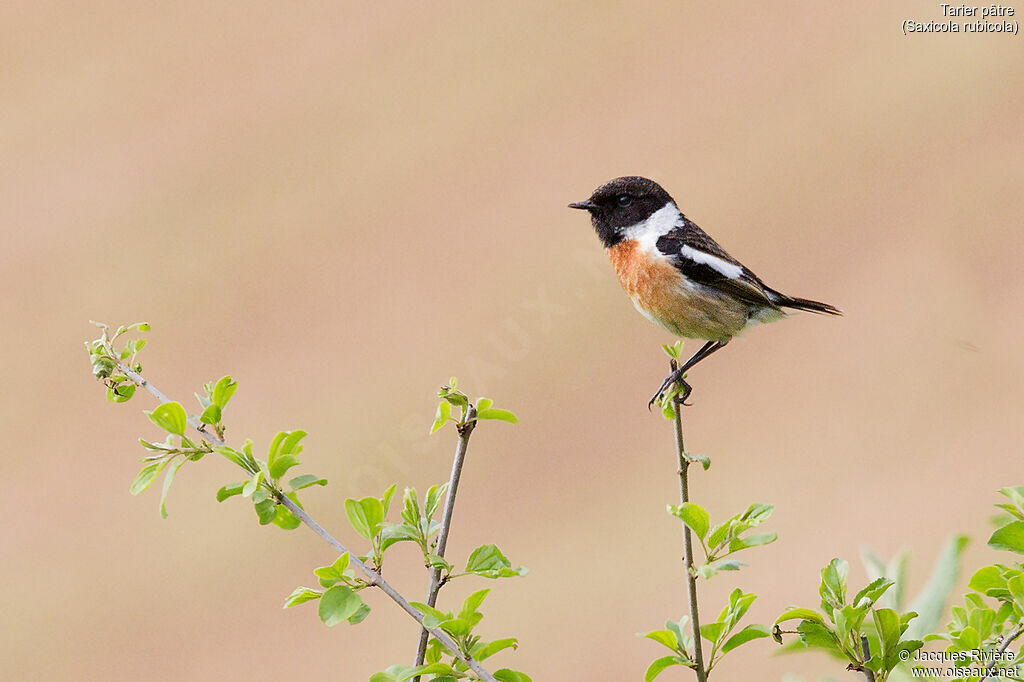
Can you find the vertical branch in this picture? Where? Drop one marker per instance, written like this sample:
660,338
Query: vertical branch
691,580
465,431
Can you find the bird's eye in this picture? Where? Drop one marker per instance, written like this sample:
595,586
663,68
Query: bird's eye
624,200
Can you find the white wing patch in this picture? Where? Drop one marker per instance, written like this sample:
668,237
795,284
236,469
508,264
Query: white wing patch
730,270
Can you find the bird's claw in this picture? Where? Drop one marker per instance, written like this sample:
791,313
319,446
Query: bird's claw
679,399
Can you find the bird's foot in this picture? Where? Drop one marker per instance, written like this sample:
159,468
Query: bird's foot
665,385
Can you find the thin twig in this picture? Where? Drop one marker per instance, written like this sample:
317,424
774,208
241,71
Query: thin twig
866,648
465,431
691,580
372,576
1001,650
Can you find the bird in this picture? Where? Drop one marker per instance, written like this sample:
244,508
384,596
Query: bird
677,276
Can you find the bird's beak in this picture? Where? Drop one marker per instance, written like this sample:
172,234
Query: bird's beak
587,205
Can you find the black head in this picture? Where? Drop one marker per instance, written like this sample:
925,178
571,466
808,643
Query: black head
621,203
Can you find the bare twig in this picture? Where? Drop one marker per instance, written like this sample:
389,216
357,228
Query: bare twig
1001,650
372,576
691,580
465,431
866,648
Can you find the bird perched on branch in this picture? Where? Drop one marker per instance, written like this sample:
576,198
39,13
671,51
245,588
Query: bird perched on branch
678,276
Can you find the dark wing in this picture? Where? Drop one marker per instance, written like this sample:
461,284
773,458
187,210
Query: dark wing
702,260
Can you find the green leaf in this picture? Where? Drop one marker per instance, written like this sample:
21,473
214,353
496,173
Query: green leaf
820,636
1010,537
987,579
483,403
365,515
275,445
223,391
707,571
833,583
665,638
283,451
230,491
360,615
253,484
121,393
887,624
163,447
795,613
428,669
674,350
485,650
867,597
472,603
284,518
429,612
660,664
266,511
703,460
967,639
495,413
168,479
147,475
290,444
231,455
434,496
306,480
712,631
444,411
747,634
694,516
506,675
678,628
281,464
488,561
437,561
170,417
752,541
301,595
456,627
211,415
338,604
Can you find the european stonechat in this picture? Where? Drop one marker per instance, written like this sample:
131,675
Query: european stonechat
678,276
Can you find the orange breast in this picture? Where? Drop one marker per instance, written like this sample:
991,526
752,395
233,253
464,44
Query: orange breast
662,295
649,282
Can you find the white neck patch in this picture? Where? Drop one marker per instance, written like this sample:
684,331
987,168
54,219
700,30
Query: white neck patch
647,232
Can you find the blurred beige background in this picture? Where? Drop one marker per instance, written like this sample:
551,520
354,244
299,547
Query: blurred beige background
342,204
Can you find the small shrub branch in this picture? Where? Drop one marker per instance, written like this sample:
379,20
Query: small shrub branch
373,577
691,579
465,430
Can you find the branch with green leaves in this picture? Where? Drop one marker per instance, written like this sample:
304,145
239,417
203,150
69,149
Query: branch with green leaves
873,647
440,569
992,615
454,651
890,644
683,637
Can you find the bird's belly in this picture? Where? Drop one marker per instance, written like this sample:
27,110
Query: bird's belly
692,313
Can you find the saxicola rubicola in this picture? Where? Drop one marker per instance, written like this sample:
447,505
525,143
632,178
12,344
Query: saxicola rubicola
678,276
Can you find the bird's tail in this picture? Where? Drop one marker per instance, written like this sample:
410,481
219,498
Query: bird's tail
810,306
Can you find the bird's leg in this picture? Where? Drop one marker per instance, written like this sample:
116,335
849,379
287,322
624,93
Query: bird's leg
705,350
